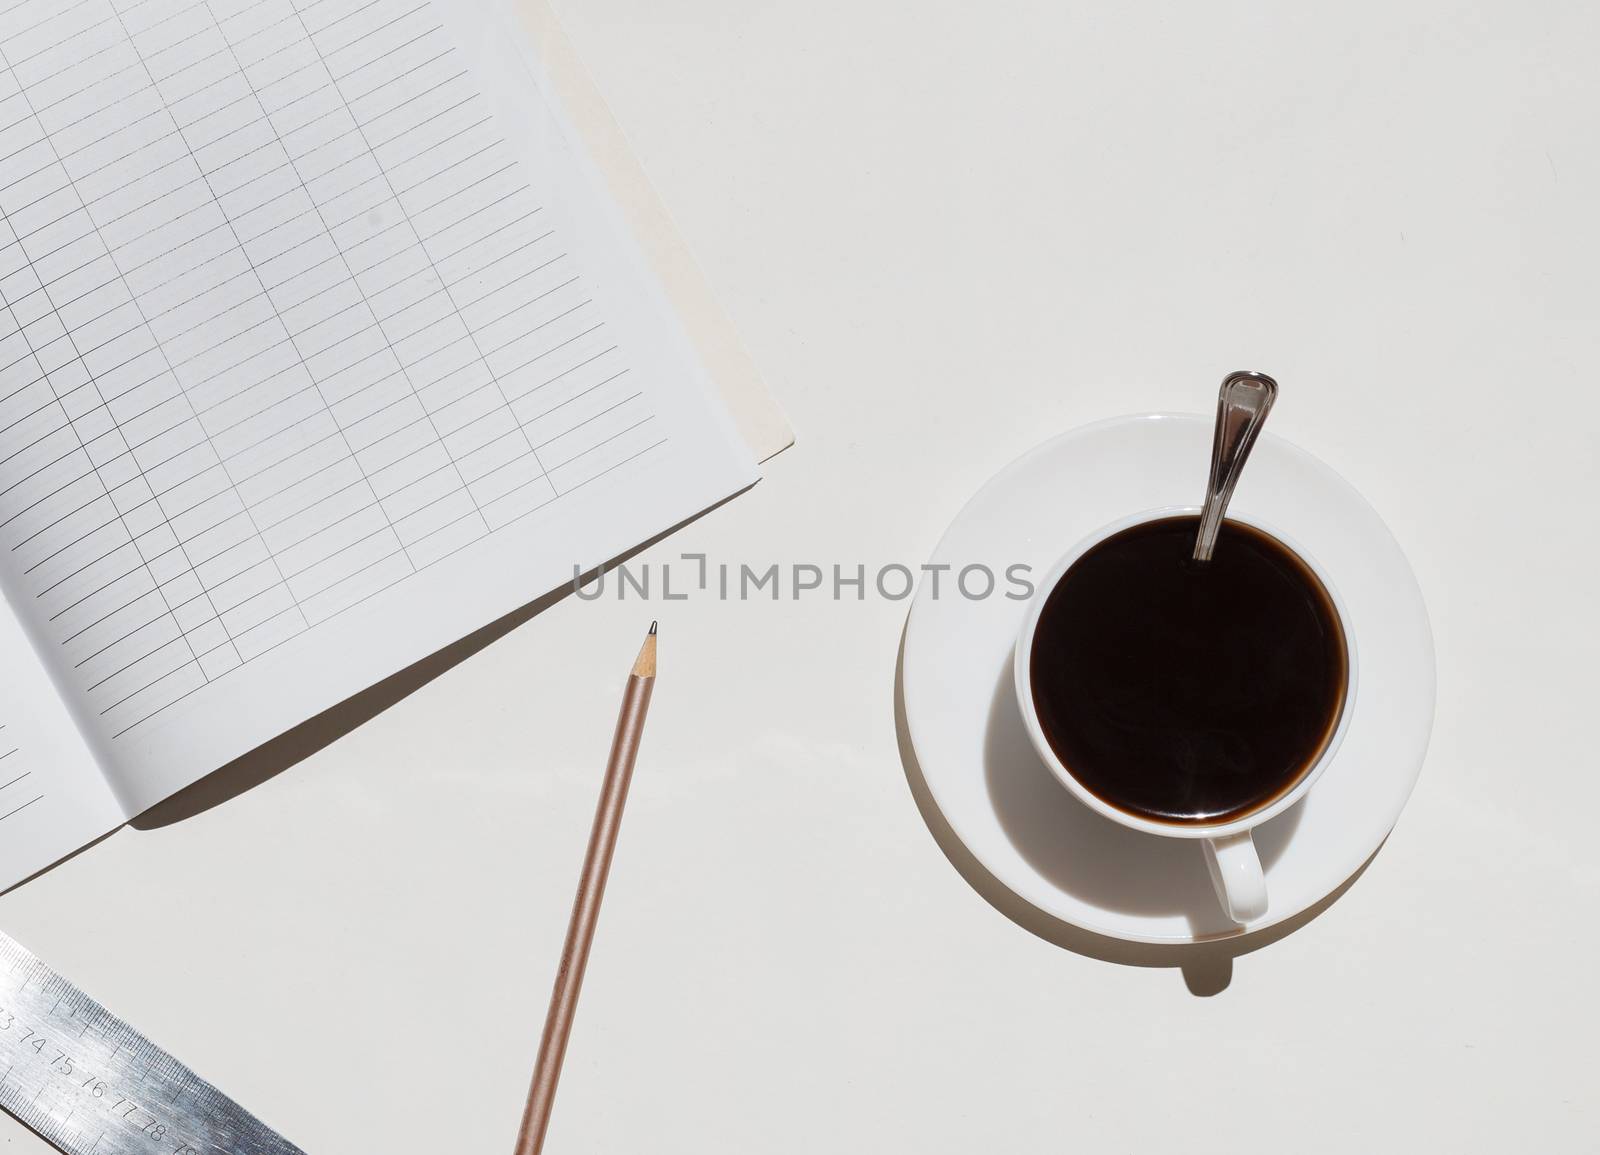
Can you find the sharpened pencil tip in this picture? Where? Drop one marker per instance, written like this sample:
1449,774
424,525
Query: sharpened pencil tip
645,667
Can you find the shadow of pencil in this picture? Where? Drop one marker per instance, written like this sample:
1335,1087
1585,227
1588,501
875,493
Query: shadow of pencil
295,745
1207,966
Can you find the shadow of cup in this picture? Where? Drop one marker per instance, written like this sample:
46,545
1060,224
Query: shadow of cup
1097,861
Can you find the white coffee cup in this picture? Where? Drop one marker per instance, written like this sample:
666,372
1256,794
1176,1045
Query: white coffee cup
1229,852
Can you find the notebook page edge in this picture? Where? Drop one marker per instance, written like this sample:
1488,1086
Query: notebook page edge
749,397
54,797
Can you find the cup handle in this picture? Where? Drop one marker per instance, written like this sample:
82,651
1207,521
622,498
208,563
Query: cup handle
1235,870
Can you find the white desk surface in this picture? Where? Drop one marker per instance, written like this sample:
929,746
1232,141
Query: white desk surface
947,232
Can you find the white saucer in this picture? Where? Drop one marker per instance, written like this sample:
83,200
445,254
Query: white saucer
1019,822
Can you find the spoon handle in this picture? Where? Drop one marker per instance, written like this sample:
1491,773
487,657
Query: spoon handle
1242,407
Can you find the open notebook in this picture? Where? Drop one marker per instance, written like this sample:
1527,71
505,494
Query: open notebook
325,339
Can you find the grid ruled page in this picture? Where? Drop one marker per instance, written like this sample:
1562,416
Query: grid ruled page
287,323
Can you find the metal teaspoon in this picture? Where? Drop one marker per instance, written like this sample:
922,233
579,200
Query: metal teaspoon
1242,407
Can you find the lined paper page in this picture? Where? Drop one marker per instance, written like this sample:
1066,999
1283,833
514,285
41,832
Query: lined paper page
292,327
53,798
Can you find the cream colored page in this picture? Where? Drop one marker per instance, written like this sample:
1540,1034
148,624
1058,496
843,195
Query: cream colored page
324,350
562,77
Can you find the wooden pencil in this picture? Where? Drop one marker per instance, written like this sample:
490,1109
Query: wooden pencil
586,907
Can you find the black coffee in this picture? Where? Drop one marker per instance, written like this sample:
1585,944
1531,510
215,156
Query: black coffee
1187,693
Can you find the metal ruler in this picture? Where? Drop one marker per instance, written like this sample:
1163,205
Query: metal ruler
92,1085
